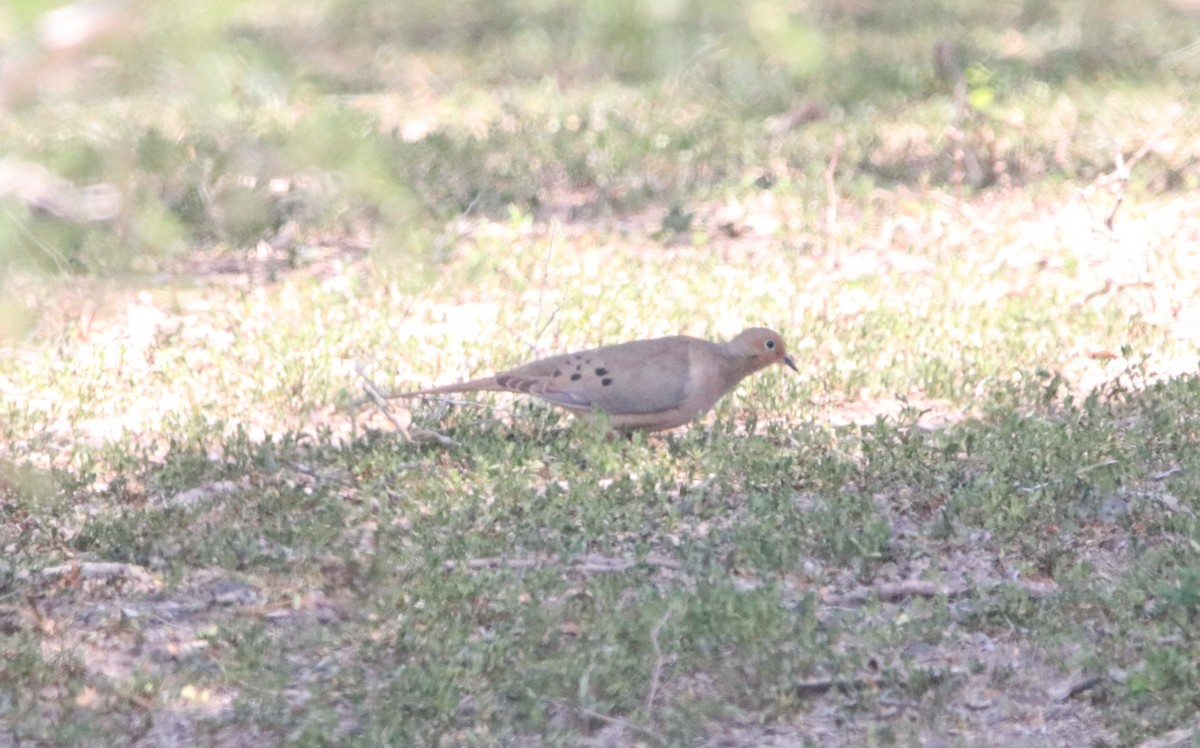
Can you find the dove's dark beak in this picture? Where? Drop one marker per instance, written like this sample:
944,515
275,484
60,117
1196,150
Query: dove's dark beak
791,363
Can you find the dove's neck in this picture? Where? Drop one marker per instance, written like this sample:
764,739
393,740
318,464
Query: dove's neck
737,364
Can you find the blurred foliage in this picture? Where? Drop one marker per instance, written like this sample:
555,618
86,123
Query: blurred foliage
162,126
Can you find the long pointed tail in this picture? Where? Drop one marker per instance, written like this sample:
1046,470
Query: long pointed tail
474,385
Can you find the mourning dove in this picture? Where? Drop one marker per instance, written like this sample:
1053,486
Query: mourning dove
643,385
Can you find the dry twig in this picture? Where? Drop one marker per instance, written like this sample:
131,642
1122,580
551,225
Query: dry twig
379,400
622,723
892,592
656,673
377,397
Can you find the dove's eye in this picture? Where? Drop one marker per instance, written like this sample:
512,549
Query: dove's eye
770,344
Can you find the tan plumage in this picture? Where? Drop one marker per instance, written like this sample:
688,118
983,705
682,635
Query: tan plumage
643,385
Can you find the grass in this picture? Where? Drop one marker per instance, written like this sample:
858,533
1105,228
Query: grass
972,512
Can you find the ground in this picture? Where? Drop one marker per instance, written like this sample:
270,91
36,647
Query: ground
969,520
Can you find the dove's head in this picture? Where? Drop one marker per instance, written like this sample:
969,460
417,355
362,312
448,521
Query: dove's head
759,347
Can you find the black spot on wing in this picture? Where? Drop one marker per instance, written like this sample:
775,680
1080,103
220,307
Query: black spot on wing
576,377
601,371
606,381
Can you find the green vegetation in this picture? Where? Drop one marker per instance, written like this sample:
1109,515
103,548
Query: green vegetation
971,519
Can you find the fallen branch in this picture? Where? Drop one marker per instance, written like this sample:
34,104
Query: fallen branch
594,563
96,570
1173,470
891,592
888,592
588,564
497,562
821,686
1072,688
426,434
